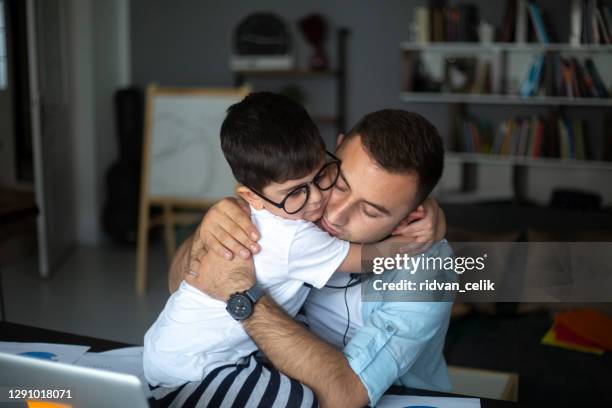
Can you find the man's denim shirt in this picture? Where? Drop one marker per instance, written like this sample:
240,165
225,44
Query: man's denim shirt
401,342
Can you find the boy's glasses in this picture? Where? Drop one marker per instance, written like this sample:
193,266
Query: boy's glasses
297,198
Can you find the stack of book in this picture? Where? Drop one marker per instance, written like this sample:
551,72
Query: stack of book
554,137
590,23
551,75
585,330
524,21
439,23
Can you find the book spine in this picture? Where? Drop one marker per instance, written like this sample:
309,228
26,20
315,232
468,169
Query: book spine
521,22
422,24
538,23
575,22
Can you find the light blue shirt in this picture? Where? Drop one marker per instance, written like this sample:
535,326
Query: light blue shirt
400,342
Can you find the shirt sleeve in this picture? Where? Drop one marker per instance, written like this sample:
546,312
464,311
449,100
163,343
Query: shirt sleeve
392,339
314,255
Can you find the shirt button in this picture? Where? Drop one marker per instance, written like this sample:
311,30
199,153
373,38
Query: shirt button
389,328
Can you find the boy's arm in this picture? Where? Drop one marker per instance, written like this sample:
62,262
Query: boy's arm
353,261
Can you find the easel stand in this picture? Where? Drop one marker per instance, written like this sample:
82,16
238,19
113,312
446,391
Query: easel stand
183,167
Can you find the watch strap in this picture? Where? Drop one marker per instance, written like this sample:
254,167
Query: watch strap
255,292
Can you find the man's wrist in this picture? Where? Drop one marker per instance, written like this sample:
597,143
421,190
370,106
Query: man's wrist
241,305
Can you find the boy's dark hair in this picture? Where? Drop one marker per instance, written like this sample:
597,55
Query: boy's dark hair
270,138
403,142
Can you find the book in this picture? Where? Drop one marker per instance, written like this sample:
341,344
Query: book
607,16
468,23
539,136
549,74
499,138
552,135
532,82
507,31
509,131
590,324
602,92
523,138
421,19
582,88
537,20
437,24
580,152
521,22
566,74
551,338
575,22
602,29
563,139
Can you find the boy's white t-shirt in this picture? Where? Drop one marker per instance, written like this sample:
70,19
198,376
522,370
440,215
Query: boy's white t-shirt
194,333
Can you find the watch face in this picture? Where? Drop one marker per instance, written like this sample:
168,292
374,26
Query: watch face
239,306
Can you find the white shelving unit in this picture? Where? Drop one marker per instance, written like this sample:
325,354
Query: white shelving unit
499,46
508,62
500,99
510,160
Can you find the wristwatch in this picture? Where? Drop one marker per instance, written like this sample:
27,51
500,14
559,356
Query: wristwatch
240,305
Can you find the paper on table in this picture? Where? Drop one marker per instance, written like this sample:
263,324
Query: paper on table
406,401
63,353
125,360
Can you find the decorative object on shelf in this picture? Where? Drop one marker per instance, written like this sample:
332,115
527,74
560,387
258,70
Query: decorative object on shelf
338,76
459,73
314,29
486,32
262,41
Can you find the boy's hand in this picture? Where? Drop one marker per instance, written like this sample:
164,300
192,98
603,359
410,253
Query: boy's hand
423,226
227,230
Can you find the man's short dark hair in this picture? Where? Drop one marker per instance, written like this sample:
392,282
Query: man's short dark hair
403,142
270,138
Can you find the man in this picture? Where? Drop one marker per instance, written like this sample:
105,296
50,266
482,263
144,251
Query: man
391,160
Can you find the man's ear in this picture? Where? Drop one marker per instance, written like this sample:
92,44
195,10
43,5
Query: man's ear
250,197
340,139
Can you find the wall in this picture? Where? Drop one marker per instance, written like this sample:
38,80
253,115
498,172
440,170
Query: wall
186,42
100,66
7,135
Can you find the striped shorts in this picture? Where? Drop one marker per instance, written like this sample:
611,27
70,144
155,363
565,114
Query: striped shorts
248,384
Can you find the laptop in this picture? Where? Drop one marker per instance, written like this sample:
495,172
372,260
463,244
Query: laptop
86,387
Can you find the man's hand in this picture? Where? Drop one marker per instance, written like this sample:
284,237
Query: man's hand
423,226
220,278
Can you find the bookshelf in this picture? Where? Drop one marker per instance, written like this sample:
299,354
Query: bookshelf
574,78
503,46
510,160
501,99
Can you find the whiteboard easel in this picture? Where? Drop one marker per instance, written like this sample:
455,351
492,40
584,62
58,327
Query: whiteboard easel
183,166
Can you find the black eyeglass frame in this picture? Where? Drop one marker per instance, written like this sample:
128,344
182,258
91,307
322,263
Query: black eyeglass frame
335,161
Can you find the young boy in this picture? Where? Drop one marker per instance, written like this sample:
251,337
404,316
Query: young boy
278,156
